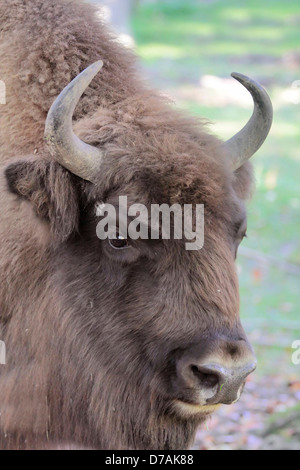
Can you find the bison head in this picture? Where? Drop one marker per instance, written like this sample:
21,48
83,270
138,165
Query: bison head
143,337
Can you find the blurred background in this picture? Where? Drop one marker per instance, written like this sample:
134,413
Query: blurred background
188,49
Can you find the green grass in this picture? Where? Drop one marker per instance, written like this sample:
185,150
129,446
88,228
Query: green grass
178,43
211,36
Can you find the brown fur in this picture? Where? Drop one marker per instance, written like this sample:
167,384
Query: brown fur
90,333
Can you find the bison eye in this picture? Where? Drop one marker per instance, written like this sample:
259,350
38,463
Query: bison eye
119,242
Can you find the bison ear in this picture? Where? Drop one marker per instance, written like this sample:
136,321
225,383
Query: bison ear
51,190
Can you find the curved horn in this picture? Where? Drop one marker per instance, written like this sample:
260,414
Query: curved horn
80,158
248,140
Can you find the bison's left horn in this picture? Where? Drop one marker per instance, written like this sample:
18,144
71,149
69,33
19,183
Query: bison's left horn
248,140
80,158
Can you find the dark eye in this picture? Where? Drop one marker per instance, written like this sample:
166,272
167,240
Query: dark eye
241,230
119,242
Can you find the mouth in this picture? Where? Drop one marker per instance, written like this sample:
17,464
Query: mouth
191,409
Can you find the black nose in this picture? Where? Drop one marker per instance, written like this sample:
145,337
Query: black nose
219,384
214,378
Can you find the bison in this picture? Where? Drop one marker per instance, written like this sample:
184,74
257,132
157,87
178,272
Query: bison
116,343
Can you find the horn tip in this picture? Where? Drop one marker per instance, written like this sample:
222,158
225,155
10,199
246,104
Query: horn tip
239,76
98,64
95,67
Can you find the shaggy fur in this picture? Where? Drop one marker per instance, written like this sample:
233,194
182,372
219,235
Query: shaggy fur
91,333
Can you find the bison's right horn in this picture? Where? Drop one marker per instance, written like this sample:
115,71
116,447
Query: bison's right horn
248,140
78,157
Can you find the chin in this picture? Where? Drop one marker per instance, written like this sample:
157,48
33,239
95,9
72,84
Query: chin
188,410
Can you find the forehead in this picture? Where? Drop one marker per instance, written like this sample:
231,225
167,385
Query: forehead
167,167
182,185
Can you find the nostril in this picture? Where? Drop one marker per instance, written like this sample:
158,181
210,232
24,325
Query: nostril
205,378
233,350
